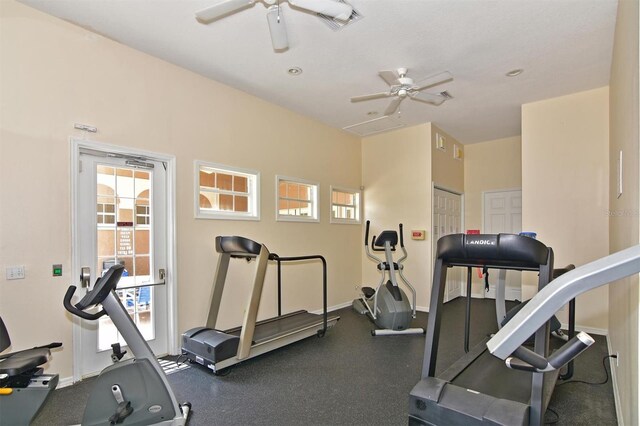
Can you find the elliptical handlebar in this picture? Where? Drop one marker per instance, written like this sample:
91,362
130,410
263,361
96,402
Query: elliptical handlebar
366,244
404,250
366,234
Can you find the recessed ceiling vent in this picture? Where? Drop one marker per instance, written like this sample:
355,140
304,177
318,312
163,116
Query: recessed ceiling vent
336,24
377,125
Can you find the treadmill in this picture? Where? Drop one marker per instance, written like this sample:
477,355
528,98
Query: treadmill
501,381
478,389
216,349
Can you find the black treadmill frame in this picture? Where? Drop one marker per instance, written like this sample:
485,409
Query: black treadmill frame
540,396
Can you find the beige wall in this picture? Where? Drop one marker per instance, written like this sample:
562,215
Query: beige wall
624,231
54,74
398,189
447,172
488,166
565,190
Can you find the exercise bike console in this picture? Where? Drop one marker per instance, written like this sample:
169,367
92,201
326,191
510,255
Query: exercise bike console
105,285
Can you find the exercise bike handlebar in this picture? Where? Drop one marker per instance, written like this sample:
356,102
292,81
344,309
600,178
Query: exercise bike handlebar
106,284
79,312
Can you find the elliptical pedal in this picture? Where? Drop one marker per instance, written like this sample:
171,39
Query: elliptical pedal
368,292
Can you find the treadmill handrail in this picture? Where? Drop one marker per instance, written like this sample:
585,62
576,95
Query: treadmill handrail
559,292
280,259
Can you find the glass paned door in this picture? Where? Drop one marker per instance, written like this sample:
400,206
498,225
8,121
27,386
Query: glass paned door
122,212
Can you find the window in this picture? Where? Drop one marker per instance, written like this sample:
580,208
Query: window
345,205
296,200
224,192
106,213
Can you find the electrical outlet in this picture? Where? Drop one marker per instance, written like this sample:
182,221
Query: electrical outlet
15,272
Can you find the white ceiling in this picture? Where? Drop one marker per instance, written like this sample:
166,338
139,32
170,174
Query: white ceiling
564,46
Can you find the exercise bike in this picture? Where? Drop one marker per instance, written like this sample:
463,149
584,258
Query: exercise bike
387,305
23,385
130,392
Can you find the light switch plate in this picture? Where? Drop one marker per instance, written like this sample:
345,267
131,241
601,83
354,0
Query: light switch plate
15,272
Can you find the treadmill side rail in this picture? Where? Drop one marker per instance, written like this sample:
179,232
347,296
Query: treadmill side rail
559,292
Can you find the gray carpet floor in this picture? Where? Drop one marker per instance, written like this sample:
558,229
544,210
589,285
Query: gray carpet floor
348,377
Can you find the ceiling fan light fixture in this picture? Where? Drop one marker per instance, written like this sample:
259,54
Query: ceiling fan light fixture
277,29
515,73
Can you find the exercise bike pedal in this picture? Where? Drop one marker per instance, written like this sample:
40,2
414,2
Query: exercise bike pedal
122,412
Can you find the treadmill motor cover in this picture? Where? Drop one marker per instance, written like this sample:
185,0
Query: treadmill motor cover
207,346
437,402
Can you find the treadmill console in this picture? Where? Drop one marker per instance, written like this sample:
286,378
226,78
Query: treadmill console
237,247
498,250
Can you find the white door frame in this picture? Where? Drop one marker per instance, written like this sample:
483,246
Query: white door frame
434,186
172,276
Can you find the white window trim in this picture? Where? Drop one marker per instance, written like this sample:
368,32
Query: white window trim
254,201
358,206
315,201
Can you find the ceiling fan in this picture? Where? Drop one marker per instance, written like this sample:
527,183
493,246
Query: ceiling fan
404,87
332,8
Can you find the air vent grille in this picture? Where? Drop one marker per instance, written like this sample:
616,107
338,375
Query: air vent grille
334,24
377,125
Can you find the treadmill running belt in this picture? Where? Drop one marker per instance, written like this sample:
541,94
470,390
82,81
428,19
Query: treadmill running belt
277,328
489,375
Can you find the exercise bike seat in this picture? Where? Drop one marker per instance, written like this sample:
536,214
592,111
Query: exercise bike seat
20,362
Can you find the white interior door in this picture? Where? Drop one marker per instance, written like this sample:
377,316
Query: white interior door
447,219
503,213
121,217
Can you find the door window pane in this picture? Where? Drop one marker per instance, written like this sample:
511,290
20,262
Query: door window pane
123,237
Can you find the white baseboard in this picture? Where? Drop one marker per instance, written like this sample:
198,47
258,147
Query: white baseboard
333,308
422,308
614,384
592,330
64,382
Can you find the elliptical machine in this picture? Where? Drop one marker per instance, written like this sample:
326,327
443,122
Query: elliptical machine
388,306
130,392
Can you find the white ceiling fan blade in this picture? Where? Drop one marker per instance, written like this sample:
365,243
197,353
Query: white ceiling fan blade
434,80
369,97
334,9
393,106
277,29
221,9
390,77
428,98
